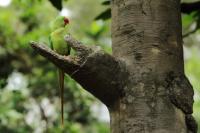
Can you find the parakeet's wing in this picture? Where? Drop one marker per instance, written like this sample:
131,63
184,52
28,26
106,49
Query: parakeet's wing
50,42
58,43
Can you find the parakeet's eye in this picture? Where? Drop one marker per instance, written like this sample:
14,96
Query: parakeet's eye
66,21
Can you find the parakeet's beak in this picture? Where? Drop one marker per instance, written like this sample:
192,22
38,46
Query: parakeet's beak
66,21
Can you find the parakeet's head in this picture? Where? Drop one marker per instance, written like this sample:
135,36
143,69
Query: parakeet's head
59,22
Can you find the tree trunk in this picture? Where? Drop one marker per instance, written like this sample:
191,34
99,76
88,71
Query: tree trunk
143,82
147,35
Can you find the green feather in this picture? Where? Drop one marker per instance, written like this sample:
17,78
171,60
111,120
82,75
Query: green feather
57,41
50,41
57,23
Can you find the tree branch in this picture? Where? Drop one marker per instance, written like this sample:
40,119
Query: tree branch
97,71
190,32
193,31
67,63
190,7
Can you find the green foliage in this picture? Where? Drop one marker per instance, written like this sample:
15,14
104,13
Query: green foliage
106,2
104,15
187,20
57,4
28,83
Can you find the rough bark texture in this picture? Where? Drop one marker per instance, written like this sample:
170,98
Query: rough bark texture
146,35
143,82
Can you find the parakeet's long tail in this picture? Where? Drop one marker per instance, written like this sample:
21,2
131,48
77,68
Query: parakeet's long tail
61,85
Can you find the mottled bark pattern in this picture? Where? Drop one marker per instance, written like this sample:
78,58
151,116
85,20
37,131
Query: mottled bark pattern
191,124
180,92
146,34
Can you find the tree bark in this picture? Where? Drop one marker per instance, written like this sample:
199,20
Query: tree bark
147,35
143,83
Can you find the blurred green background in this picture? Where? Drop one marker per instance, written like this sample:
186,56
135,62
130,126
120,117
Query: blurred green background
29,94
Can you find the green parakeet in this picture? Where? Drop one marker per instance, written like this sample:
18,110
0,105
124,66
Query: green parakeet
57,43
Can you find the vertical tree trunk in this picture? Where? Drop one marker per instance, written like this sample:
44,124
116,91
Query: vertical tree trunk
143,82
146,34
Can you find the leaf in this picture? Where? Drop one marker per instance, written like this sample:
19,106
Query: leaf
187,20
57,4
106,2
104,15
196,14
